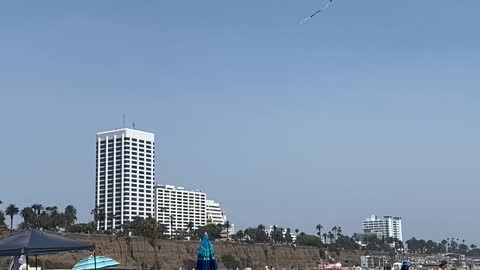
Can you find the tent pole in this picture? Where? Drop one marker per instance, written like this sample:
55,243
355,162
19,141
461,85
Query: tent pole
36,264
26,257
94,260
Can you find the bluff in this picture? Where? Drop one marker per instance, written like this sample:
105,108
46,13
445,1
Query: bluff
175,254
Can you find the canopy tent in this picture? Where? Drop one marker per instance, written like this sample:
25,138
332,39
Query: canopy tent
33,243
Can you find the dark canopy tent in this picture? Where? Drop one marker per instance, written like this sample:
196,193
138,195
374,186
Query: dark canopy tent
33,243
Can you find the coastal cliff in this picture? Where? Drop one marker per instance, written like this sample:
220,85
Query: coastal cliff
174,254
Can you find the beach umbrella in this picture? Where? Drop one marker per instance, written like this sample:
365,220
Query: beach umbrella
97,262
206,255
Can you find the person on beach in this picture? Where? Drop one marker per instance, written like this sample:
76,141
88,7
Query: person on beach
406,265
443,265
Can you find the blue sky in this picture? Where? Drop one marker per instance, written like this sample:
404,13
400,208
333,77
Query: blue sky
369,108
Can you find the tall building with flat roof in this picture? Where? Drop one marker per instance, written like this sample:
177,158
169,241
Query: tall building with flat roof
125,174
388,226
176,207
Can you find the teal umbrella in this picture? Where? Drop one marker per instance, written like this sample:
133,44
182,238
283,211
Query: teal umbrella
97,262
206,255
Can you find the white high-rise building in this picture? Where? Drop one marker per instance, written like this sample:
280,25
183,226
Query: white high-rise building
177,207
388,226
124,176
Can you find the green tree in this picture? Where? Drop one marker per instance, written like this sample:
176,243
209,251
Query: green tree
288,236
190,226
153,230
319,228
29,218
44,221
227,226
37,208
325,237
297,231
111,218
256,235
81,228
277,235
11,211
308,240
346,243
213,231
331,236
334,232
230,262
2,219
240,235
70,215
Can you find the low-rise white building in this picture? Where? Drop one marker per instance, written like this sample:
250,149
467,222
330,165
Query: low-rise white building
216,216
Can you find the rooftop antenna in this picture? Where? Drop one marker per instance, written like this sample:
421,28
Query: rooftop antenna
133,125
124,126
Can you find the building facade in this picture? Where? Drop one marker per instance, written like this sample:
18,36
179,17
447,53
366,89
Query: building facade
125,174
387,226
215,215
176,208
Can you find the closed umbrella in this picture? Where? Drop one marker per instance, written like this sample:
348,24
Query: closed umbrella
100,261
206,255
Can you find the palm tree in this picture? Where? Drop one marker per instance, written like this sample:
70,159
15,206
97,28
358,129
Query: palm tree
297,231
38,208
11,210
331,236
227,226
339,231
334,230
325,237
190,226
70,215
111,217
319,228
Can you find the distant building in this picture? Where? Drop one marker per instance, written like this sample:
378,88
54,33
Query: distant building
125,188
388,226
176,207
269,230
216,216
214,213
125,172
371,262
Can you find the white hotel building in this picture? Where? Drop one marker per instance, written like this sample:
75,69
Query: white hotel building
125,188
177,207
125,174
388,226
216,216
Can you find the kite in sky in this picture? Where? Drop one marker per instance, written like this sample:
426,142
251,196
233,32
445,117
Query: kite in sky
318,11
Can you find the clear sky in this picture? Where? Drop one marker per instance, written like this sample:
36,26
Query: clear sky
369,108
